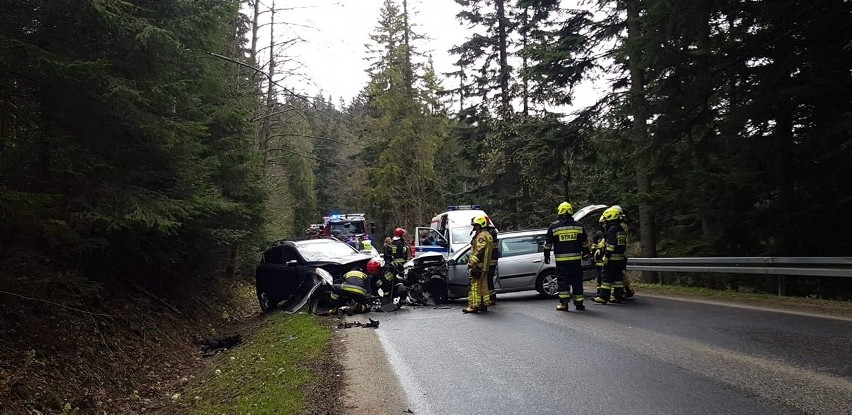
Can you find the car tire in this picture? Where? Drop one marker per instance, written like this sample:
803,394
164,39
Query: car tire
438,291
266,303
546,284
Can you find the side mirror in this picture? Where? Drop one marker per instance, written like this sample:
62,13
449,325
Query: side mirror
451,262
292,263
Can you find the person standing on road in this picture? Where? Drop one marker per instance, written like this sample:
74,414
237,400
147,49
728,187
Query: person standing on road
492,264
569,242
598,247
615,258
395,256
477,266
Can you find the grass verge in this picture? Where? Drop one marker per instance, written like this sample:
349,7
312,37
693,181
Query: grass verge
270,373
800,304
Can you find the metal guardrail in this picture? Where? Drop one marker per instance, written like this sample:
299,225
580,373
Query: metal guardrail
779,266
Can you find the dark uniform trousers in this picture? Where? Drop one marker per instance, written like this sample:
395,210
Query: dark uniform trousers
569,281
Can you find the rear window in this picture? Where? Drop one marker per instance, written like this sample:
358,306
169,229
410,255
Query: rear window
522,245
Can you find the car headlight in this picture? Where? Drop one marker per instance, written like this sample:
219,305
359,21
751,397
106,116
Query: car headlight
325,275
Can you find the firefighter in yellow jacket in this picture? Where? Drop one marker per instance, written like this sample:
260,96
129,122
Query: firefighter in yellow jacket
615,258
477,266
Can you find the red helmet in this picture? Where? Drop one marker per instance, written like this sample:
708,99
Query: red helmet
399,232
374,267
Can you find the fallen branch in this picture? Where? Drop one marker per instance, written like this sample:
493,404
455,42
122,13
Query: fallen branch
160,300
56,304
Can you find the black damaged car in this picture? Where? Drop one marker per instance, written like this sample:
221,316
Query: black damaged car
292,271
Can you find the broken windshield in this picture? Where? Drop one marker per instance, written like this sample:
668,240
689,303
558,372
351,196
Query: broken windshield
347,228
319,250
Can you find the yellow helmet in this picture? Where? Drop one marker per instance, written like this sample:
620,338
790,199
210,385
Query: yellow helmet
565,208
612,213
480,220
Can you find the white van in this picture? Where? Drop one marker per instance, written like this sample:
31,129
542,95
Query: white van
449,231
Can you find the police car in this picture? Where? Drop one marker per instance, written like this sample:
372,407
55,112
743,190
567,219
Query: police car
449,231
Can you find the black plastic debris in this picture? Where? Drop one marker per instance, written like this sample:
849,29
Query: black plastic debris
348,325
214,347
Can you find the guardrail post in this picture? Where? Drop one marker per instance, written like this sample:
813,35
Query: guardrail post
782,285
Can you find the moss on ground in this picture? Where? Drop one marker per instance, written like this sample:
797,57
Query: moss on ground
267,374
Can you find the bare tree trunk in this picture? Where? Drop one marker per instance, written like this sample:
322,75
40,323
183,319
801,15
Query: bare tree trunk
639,133
525,65
406,36
461,87
265,136
255,26
502,45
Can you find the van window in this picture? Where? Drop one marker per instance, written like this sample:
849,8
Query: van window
461,235
522,245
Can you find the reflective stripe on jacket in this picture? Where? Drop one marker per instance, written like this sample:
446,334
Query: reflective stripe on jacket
567,239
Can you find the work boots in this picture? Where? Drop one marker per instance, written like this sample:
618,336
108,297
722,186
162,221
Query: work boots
562,307
470,309
599,300
579,306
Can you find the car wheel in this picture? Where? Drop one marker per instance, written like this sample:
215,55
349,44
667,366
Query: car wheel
438,291
266,304
547,285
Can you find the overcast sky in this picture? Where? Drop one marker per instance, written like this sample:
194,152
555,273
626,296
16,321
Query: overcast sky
334,51
336,33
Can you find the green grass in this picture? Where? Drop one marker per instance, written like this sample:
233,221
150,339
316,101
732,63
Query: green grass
267,374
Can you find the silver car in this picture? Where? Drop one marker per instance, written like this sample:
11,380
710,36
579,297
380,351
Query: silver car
521,265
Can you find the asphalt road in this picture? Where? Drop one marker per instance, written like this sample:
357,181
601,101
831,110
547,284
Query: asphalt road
648,356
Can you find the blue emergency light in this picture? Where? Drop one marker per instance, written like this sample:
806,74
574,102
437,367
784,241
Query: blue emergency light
464,207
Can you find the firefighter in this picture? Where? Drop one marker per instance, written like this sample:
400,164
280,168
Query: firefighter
615,258
391,286
355,288
624,223
569,242
477,266
397,253
492,265
598,247
395,256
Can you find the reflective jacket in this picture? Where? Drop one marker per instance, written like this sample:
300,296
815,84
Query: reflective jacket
397,252
616,242
480,250
356,283
598,248
494,252
567,239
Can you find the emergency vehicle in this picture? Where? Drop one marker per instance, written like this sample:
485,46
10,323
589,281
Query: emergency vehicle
350,228
448,231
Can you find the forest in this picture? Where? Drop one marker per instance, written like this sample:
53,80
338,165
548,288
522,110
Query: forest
142,137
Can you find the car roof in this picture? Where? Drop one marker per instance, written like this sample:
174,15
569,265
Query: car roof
525,232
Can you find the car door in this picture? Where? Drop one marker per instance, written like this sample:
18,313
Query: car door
520,262
293,272
279,272
433,242
457,282
269,271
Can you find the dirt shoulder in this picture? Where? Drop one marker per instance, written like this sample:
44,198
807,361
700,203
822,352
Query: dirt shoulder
371,385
